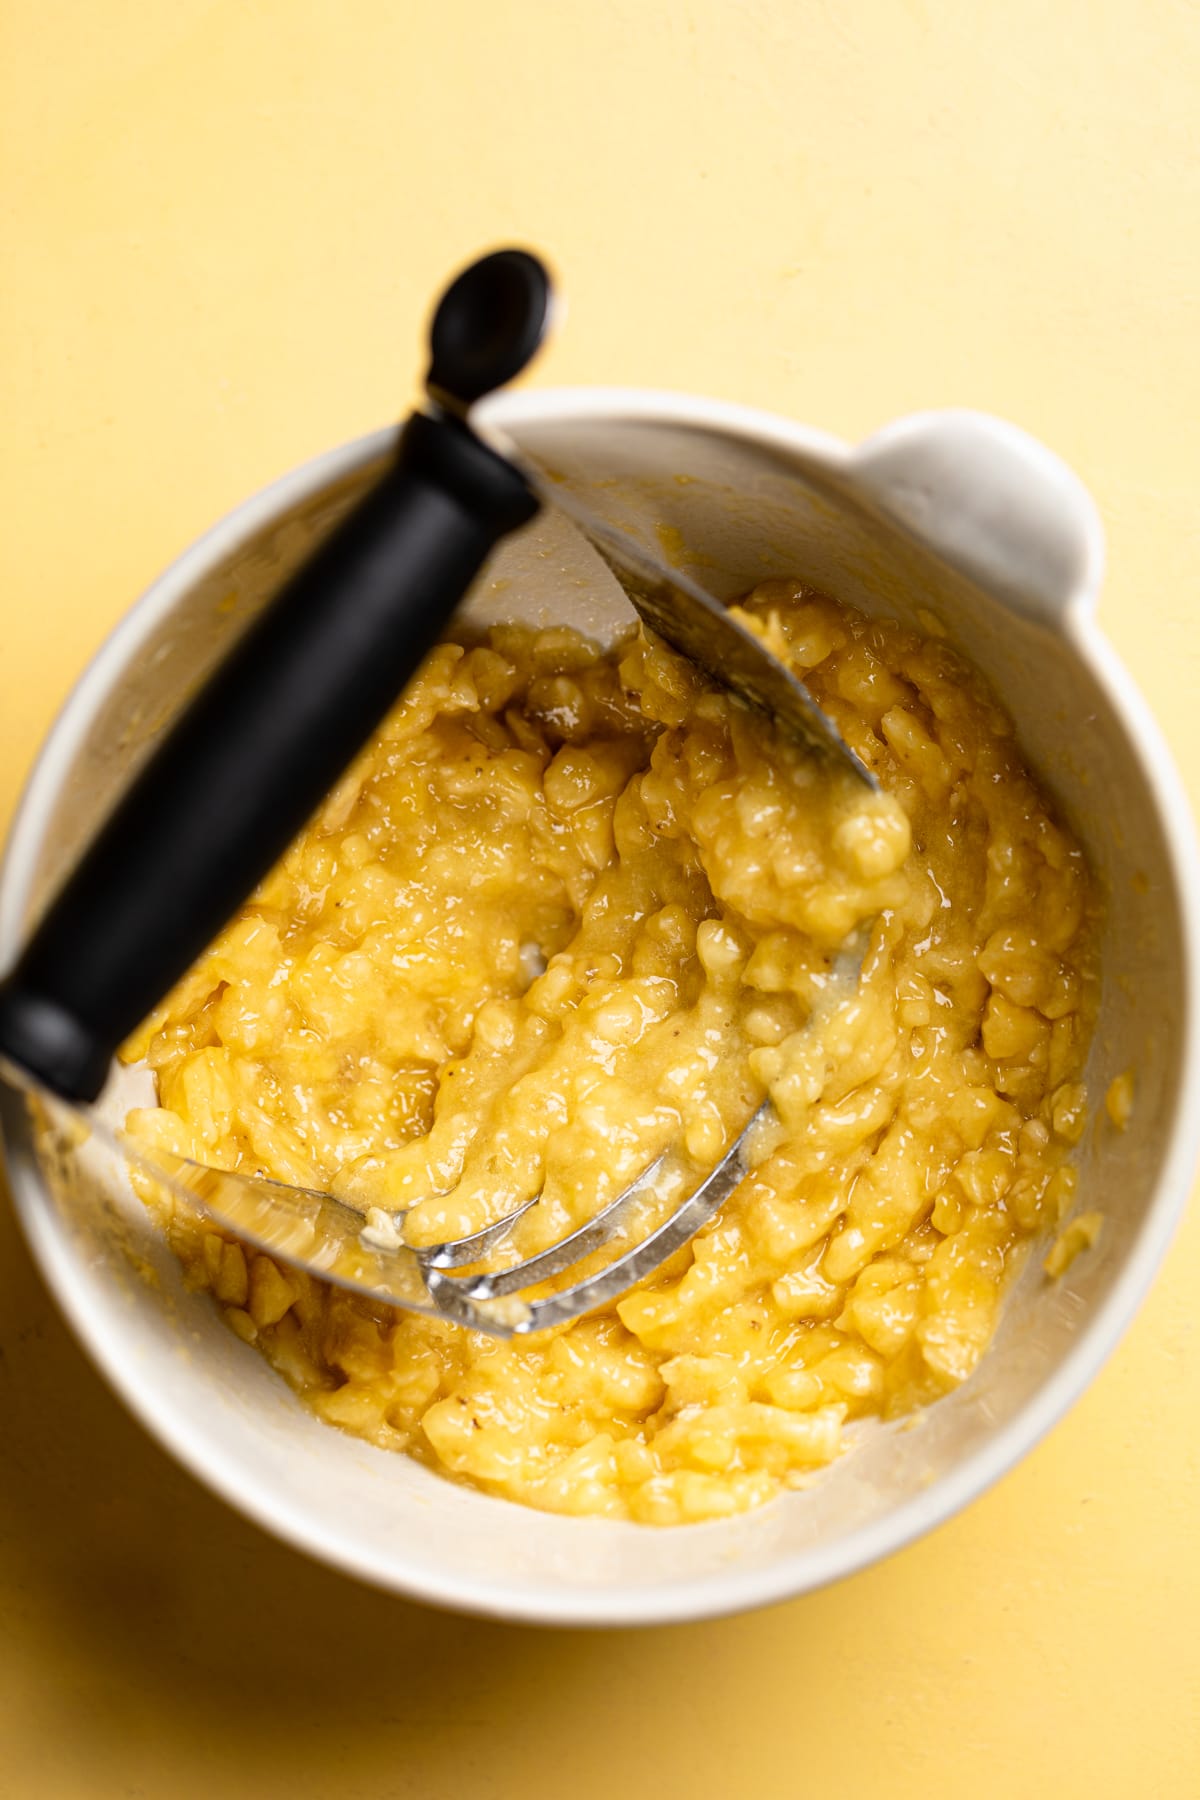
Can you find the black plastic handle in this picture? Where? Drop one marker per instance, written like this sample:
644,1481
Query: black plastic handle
256,750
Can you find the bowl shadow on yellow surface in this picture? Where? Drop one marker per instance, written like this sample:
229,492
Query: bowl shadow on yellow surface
165,1613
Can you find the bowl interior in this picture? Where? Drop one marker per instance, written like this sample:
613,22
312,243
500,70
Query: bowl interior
743,512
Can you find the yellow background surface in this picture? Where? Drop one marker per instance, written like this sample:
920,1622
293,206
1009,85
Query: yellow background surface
222,222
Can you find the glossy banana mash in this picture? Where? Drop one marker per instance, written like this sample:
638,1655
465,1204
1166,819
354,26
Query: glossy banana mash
573,907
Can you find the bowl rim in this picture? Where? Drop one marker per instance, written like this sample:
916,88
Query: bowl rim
726,1590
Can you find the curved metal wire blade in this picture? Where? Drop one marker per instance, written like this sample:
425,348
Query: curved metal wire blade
571,1249
625,1271
307,1229
703,630
456,1253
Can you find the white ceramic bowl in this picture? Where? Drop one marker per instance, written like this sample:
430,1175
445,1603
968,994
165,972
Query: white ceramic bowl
950,518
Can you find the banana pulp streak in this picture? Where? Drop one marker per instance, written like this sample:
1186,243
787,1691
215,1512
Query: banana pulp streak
572,907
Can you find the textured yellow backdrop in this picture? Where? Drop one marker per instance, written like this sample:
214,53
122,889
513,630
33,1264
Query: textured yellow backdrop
222,221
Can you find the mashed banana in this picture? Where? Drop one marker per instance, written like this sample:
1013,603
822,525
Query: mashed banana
572,908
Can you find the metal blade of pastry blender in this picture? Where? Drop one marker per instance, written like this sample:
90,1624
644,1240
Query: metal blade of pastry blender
484,329
701,628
